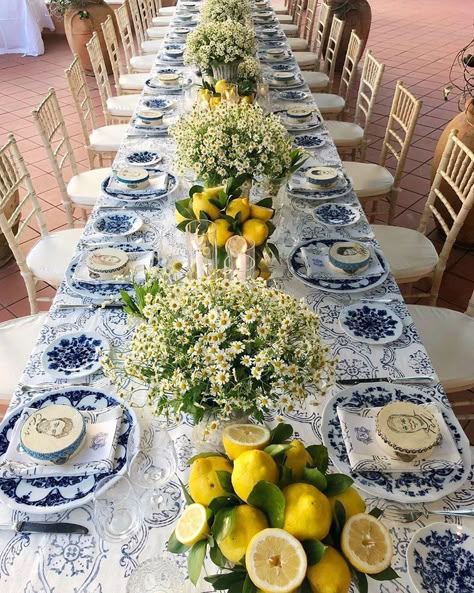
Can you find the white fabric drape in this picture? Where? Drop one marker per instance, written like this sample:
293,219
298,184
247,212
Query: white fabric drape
21,23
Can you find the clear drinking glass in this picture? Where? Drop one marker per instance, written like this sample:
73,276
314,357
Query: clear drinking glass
201,248
241,268
238,245
157,575
263,95
231,94
117,510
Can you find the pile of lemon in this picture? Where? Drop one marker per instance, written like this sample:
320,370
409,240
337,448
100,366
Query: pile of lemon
277,560
220,88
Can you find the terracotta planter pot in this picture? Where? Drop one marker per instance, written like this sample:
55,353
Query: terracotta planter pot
464,123
357,15
80,30
5,251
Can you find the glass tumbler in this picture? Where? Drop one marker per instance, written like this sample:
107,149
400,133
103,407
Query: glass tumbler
201,248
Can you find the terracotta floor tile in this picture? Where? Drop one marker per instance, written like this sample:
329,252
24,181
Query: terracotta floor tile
13,289
415,184
465,267
456,290
6,315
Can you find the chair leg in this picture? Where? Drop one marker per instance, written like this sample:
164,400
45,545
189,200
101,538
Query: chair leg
362,151
31,290
392,199
84,214
373,211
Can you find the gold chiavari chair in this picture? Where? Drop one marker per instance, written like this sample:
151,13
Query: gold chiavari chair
135,62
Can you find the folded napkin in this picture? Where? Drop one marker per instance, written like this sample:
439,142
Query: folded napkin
318,265
96,455
158,182
365,455
136,269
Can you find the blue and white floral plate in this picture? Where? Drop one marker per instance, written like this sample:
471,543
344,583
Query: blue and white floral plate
292,126
142,195
288,67
53,494
336,215
118,224
401,487
293,95
440,559
299,188
371,323
165,89
338,283
296,83
272,44
143,157
138,128
74,355
266,59
160,103
309,142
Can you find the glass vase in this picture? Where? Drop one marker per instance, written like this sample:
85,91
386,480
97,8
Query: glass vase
207,433
226,70
201,248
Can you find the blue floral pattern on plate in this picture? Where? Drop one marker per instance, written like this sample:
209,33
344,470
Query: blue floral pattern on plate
298,188
371,323
143,157
440,559
158,103
284,68
48,494
293,95
309,142
338,215
410,487
74,355
118,224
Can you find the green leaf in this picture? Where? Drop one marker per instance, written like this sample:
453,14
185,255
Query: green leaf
237,587
360,580
282,432
196,560
265,203
337,484
217,556
286,476
224,581
273,251
182,225
225,480
274,450
222,502
187,497
375,512
320,457
385,575
195,189
249,587
313,476
204,455
271,228
176,547
223,523
305,587
269,498
339,514
182,206
314,550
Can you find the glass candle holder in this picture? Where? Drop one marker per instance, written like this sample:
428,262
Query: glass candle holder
263,95
201,248
231,94
237,246
241,268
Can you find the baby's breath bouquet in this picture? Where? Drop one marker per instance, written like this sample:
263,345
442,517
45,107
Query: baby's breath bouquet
223,10
232,140
220,346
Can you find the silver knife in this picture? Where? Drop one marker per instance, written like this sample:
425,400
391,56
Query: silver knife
33,527
420,380
65,306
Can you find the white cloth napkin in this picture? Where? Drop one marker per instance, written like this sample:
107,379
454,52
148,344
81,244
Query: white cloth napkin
359,434
157,182
136,269
317,264
95,456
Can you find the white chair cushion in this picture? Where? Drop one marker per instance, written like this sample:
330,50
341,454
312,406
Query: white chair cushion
298,44
157,32
84,188
317,81
329,103
289,29
306,58
410,254
133,82
281,10
108,138
162,21
368,179
284,18
123,105
152,46
17,339
345,133
167,10
143,63
448,337
50,257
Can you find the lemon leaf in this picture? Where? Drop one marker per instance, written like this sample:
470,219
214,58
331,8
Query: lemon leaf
176,547
222,502
265,203
360,580
221,582
385,575
195,189
286,476
225,480
217,556
187,497
320,457
313,476
305,587
376,512
337,484
314,550
223,523
269,498
339,518
203,455
282,432
274,450
196,560
249,587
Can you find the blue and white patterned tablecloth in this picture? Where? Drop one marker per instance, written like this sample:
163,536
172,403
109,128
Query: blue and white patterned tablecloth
86,564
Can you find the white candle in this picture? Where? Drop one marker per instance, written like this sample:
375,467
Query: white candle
242,266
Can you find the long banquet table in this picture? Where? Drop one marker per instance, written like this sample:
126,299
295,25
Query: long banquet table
87,564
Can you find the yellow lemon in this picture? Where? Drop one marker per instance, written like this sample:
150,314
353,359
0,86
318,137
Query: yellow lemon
204,94
204,484
238,438
276,561
249,468
331,574
222,233
221,86
255,230
248,521
307,512
179,217
351,501
297,458
214,102
263,271
366,543
246,99
239,205
192,525
213,192
200,203
260,212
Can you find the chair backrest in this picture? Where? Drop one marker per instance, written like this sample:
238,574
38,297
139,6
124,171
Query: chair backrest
309,18
137,21
113,49
79,88
319,29
332,48
298,13
349,69
124,27
152,10
145,14
370,80
400,128
100,72
52,129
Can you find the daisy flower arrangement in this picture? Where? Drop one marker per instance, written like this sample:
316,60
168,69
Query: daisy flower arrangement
219,11
220,346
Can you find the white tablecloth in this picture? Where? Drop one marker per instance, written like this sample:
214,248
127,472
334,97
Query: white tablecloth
21,22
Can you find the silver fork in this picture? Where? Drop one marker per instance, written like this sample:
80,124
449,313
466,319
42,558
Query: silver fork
413,515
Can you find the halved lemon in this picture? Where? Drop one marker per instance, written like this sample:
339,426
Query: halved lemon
367,544
276,561
192,525
238,438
